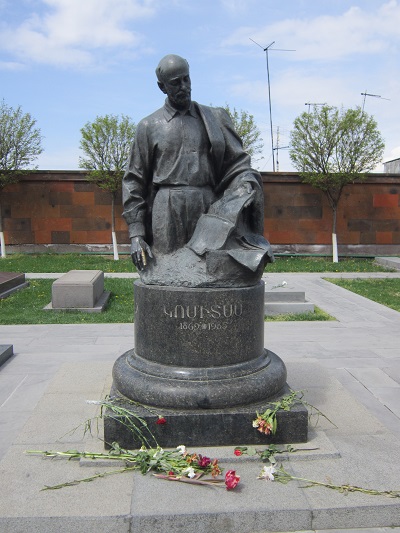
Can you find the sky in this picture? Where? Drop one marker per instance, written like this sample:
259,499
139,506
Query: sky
68,61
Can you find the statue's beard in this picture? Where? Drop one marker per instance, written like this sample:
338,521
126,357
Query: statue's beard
183,99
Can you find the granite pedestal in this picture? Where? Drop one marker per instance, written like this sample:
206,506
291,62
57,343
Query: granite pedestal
200,362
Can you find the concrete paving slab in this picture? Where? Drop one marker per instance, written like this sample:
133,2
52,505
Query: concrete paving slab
333,509
393,372
252,508
390,397
374,377
147,505
26,507
364,336
26,391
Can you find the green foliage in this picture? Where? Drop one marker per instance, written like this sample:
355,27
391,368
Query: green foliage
106,143
20,143
331,148
247,130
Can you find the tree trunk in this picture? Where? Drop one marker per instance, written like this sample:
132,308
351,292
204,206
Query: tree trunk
2,241
113,235
335,255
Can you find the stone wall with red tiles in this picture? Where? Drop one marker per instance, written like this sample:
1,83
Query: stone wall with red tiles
62,208
368,213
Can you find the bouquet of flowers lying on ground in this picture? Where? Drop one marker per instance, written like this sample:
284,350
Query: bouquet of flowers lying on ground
175,465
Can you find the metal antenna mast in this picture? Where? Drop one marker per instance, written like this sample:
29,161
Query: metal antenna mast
374,95
312,103
277,148
266,49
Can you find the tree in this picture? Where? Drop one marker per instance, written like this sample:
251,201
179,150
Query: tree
106,143
332,148
247,130
20,145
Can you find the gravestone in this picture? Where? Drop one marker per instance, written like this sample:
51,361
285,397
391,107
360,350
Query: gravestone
282,300
6,351
79,290
11,282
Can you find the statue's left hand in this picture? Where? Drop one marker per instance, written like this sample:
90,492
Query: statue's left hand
139,250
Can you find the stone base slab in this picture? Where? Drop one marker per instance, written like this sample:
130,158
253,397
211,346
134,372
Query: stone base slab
98,308
11,282
280,308
360,451
6,351
208,427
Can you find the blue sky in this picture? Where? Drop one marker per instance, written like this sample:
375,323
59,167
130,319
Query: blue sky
68,61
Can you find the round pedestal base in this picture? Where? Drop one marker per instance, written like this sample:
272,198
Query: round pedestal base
166,386
199,349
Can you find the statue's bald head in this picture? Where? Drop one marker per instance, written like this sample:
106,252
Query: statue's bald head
171,65
174,81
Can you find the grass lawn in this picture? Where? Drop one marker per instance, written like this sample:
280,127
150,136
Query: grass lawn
384,291
26,305
319,314
64,262
30,263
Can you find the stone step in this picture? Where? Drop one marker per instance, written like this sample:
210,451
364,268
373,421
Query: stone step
280,300
388,262
284,295
282,308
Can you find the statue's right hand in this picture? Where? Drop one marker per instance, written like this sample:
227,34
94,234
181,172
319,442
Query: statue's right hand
139,250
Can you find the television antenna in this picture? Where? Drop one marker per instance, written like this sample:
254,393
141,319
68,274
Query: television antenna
374,95
266,50
277,148
313,103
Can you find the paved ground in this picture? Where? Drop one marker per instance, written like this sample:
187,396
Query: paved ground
361,350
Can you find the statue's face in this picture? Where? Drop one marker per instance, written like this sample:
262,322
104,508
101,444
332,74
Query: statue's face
176,85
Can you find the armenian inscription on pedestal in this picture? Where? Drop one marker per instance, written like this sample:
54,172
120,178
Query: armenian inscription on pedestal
199,349
199,327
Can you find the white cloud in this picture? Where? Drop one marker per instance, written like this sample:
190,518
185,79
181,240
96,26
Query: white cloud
11,65
69,31
236,7
328,37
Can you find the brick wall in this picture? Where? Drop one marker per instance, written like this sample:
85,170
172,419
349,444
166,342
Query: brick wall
368,214
61,208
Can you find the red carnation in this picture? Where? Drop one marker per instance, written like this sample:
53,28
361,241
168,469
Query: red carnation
203,462
231,479
238,452
161,420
